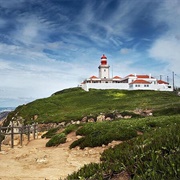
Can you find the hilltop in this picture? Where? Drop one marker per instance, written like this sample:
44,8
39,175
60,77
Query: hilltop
75,103
150,143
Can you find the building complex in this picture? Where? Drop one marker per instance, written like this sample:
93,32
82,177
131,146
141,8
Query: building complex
130,82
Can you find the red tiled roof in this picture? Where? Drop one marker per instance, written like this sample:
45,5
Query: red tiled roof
116,77
143,76
162,82
93,77
130,75
140,81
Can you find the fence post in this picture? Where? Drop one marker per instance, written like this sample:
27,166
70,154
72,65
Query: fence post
21,135
12,136
28,133
34,132
0,138
37,130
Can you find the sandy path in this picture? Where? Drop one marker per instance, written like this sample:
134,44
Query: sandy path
35,161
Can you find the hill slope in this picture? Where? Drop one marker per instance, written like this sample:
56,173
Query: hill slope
75,103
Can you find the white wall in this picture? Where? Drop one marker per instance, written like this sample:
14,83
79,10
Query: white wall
88,86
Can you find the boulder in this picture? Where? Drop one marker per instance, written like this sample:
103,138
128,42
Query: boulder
100,118
118,116
84,119
91,120
108,119
127,117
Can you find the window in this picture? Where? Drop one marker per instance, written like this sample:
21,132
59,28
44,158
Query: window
104,70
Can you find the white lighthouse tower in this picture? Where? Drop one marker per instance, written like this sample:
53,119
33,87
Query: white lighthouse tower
104,68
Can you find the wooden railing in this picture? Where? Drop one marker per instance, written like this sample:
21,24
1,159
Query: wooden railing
12,130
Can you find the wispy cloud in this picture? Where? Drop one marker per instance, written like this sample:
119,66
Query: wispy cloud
166,47
50,45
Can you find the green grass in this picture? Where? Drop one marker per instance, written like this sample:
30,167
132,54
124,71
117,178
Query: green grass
97,134
154,155
56,140
75,103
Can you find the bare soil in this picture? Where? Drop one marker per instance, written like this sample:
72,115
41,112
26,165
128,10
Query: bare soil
34,161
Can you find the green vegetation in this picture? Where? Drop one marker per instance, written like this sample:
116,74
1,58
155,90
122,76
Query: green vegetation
50,133
104,132
75,103
154,155
56,140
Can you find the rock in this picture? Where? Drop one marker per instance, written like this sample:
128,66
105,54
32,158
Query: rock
78,122
118,116
78,137
100,118
78,148
42,160
6,140
108,119
92,151
35,117
84,119
68,140
91,120
73,122
16,142
103,146
62,124
127,117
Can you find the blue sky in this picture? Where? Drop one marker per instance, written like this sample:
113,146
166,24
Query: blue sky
49,45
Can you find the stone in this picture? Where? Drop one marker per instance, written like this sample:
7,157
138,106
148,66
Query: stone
68,139
127,117
84,119
108,119
100,118
42,161
91,120
92,152
78,122
103,146
78,137
35,117
119,116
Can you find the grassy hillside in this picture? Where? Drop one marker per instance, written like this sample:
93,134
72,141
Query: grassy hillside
155,154
75,103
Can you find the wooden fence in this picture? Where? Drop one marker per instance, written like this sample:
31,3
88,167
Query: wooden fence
12,130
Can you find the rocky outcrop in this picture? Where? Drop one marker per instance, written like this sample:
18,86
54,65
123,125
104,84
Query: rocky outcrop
7,140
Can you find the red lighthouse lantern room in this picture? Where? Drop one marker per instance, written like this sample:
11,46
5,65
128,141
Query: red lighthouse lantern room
103,60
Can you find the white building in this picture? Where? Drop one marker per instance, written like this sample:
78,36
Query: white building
130,82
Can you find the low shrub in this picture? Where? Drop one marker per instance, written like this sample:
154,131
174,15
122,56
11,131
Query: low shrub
50,133
154,155
167,111
56,140
71,128
102,133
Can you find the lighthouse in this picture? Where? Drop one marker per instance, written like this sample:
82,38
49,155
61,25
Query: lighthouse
104,68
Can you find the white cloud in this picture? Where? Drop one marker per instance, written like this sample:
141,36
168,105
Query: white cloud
166,47
125,50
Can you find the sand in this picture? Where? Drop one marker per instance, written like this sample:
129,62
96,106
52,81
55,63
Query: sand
37,162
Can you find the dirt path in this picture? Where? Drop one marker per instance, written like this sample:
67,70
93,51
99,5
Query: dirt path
37,162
